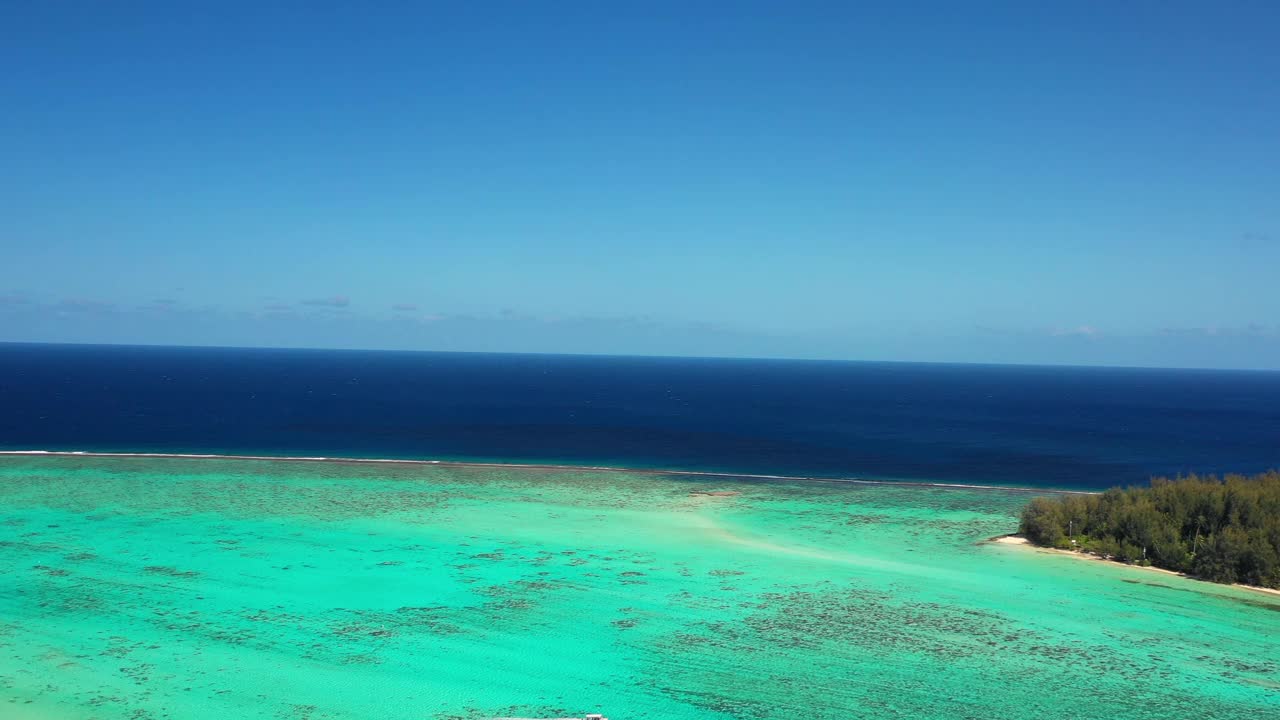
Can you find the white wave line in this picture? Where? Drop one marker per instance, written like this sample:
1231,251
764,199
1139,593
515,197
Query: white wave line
541,466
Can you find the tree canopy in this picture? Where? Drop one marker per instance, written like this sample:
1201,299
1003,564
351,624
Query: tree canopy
1221,529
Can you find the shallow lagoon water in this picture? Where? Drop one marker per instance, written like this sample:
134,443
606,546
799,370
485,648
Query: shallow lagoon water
173,588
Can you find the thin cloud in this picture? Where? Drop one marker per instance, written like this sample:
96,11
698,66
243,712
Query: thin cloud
1250,330
336,301
510,314
161,305
1079,331
993,330
1087,331
404,307
85,305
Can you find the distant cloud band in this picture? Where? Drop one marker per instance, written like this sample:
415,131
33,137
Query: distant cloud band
336,301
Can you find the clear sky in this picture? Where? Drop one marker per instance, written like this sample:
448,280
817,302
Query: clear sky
1082,182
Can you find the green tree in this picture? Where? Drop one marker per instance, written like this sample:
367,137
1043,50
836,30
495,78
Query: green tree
1226,530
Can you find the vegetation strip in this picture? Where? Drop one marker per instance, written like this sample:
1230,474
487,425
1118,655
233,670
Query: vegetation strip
1224,530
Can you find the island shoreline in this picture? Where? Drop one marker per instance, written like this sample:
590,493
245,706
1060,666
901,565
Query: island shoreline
1017,540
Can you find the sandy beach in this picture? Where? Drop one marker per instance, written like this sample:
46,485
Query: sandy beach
1018,540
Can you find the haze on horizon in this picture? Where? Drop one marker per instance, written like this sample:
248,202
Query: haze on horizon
1093,183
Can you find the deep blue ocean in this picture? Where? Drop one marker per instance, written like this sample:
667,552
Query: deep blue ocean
1014,425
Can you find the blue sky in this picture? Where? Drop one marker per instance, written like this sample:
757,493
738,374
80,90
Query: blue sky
1095,182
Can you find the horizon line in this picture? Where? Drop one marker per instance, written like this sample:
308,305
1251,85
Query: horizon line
305,348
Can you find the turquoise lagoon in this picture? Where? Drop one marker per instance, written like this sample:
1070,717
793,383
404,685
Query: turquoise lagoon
152,588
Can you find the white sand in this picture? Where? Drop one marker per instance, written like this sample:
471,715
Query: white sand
1019,540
